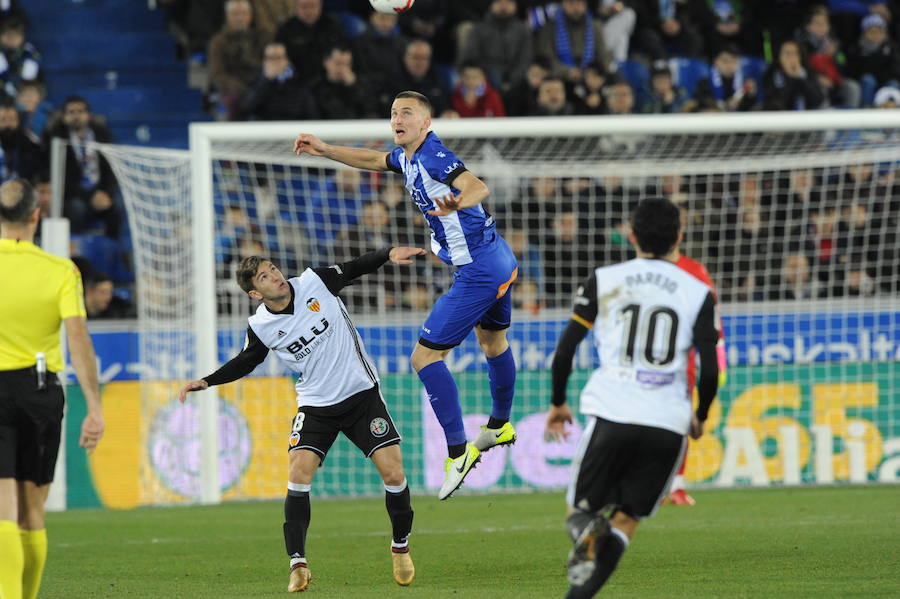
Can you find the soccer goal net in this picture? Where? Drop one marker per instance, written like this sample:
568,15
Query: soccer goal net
795,215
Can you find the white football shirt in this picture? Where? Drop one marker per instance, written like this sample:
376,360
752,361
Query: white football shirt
643,332
318,342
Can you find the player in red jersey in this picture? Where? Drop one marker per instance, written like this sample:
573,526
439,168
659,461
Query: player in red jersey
677,494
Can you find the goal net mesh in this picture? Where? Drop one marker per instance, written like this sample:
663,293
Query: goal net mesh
798,231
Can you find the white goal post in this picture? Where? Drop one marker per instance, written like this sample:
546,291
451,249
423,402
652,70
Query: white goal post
718,161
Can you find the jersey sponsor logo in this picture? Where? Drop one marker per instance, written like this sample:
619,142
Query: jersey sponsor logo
302,347
313,305
451,168
378,427
654,379
294,440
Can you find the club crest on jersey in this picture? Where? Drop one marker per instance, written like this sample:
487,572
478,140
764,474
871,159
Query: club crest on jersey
295,439
378,427
313,304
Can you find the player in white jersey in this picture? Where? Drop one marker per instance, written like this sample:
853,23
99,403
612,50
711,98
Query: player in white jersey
464,235
647,314
305,323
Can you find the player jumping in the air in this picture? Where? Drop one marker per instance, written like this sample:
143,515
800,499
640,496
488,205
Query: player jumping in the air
463,235
305,323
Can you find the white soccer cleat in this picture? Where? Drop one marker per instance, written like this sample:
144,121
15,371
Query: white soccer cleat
455,470
495,437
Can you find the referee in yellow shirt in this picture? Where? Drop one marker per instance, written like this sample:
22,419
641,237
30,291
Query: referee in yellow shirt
38,293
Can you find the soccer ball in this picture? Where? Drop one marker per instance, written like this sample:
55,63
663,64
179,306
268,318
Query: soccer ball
391,6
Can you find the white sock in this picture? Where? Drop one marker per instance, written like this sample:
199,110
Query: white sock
297,560
677,483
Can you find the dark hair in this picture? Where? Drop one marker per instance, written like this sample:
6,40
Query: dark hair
656,223
17,201
74,99
12,24
421,98
246,271
470,64
95,277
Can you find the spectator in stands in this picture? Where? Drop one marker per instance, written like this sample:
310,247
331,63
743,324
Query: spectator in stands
572,40
33,107
308,35
418,74
528,296
277,94
789,84
859,234
269,14
373,231
20,152
726,86
664,29
846,16
795,281
196,21
874,60
378,51
89,195
618,95
665,97
99,300
429,22
528,257
827,60
474,96
727,23
825,231
502,43
619,21
342,93
568,254
521,100
589,93
551,99
234,56
20,60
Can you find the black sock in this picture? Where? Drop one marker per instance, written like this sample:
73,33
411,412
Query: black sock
609,551
496,422
296,522
400,511
454,451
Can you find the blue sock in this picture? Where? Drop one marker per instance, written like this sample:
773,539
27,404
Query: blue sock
502,374
444,398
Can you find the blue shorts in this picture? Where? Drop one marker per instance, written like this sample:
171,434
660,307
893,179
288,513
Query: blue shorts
479,296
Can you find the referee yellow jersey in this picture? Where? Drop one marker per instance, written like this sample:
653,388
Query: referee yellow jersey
39,290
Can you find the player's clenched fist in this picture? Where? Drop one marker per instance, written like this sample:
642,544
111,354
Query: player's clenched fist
309,144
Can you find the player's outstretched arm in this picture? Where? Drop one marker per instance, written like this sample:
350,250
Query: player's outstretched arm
338,276
241,365
372,160
402,255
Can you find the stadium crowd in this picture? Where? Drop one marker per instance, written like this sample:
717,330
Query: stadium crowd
766,235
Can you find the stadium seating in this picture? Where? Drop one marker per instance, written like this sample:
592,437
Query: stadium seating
687,72
118,55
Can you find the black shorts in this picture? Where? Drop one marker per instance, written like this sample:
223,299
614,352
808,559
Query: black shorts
626,466
363,418
30,425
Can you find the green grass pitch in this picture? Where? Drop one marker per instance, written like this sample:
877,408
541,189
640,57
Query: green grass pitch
828,542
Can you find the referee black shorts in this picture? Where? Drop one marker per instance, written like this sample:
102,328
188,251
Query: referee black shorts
628,466
30,425
362,417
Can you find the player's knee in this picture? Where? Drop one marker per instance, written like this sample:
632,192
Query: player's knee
31,515
393,477
423,356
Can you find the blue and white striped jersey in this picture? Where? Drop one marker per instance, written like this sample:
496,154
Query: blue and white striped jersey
458,237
